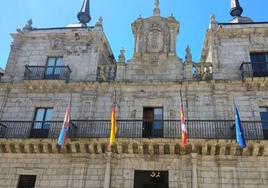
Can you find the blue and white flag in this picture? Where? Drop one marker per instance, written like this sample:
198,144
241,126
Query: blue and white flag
240,138
62,140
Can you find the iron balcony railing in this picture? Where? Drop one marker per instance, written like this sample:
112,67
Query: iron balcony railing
47,73
254,69
199,129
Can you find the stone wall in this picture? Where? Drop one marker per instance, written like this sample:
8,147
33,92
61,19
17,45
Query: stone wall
205,100
81,48
55,170
212,164
162,69
227,46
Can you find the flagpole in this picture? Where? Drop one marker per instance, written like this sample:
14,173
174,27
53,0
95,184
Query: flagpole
115,96
70,104
181,98
234,104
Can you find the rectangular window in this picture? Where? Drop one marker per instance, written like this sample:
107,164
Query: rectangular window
264,119
42,118
54,67
42,123
259,63
153,122
26,181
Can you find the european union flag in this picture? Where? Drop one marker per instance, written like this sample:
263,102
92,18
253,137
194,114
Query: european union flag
240,138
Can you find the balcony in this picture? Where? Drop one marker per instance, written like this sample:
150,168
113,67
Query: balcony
197,129
254,69
47,73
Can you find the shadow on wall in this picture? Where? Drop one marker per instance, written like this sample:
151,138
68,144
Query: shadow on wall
1,73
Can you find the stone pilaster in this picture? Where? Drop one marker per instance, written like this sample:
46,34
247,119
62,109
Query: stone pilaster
194,170
107,177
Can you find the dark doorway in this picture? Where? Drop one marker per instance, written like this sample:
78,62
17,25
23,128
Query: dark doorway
152,122
151,179
26,181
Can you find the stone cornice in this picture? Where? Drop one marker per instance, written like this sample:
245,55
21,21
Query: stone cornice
238,32
259,83
153,147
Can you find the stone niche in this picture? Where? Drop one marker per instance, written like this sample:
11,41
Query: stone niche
155,50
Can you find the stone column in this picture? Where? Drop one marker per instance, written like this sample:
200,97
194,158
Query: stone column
194,170
172,47
121,72
107,177
188,64
188,71
214,48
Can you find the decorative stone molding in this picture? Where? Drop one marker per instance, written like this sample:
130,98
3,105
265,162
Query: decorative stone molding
136,146
203,71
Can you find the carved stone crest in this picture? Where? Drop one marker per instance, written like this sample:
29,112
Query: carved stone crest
155,39
56,43
257,40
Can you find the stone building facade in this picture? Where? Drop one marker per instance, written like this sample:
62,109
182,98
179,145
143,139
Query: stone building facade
49,67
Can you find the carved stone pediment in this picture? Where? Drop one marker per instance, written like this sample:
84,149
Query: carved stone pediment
155,35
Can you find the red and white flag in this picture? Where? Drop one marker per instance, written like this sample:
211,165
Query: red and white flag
184,136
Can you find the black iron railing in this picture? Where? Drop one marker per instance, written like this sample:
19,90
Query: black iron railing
200,129
254,69
28,129
3,129
47,73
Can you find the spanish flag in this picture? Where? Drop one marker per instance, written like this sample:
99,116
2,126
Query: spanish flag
113,126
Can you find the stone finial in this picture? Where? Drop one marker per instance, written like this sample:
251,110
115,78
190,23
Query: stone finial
28,26
121,57
188,56
156,8
84,14
100,21
98,25
213,23
171,17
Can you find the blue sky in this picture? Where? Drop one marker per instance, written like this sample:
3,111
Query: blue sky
118,15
